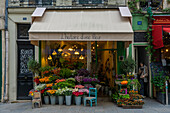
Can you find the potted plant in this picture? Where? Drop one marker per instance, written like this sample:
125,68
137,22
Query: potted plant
65,73
128,66
78,96
68,95
52,94
85,92
159,82
60,94
46,98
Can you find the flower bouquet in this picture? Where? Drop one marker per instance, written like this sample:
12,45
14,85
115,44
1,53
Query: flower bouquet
78,97
52,94
36,80
79,86
68,94
60,93
40,87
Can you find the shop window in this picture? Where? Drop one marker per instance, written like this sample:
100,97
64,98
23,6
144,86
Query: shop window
165,51
22,31
154,4
90,1
140,37
71,55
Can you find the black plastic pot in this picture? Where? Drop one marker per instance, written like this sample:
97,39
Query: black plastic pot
161,97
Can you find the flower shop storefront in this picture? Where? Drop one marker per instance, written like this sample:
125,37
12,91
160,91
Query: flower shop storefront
79,50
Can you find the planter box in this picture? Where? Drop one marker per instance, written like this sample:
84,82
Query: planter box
132,106
161,97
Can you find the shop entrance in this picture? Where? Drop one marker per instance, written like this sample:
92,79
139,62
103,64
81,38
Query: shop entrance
104,64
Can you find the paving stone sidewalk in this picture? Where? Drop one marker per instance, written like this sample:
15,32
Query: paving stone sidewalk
150,106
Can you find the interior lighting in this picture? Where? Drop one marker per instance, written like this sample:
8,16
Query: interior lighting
166,50
70,49
60,50
54,53
81,57
76,53
49,58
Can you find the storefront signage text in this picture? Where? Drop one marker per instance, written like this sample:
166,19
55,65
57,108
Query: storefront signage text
80,36
161,20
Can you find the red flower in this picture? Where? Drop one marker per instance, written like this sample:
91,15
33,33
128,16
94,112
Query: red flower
36,80
78,93
42,91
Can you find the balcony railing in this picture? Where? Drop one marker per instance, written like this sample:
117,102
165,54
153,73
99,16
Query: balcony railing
67,3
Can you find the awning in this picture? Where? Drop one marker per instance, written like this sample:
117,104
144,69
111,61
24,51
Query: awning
81,25
166,29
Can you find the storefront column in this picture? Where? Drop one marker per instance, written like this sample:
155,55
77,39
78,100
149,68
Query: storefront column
89,56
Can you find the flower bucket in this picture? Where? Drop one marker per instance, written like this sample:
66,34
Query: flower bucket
78,100
68,100
84,96
61,100
53,100
57,100
46,100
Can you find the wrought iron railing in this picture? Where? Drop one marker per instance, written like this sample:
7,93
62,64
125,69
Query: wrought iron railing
66,3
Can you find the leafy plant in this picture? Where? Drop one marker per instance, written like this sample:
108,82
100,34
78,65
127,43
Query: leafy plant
115,96
53,78
159,80
137,85
65,73
128,65
33,66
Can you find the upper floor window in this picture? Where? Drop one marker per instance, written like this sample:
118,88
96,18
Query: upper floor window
22,31
155,4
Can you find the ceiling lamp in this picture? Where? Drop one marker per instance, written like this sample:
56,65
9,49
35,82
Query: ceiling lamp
60,50
70,49
81,57
49,58
82,49
76,53
166,50
54,53
65,55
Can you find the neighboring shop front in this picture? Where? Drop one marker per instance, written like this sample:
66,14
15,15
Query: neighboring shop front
95,40
161,43
140,25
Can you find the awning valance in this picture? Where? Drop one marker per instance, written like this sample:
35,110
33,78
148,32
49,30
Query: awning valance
81,25
166,29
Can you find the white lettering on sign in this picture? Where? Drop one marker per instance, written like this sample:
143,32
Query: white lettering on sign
79,36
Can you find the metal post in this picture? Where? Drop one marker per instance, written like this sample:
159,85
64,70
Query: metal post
166,83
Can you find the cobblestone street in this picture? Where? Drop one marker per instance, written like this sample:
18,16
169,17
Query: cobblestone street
150,106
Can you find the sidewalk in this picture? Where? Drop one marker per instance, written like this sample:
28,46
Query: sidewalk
150,106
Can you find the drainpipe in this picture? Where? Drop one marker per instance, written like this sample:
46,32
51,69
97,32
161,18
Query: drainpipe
6,84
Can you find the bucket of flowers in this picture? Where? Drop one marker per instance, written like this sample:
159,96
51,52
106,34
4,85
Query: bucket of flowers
52,94
60,95
78,96
68,95
85,93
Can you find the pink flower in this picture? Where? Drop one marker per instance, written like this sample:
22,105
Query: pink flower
79,86
84,91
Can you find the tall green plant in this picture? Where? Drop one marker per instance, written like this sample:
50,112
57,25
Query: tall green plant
65,73
128,65
33,66
159,80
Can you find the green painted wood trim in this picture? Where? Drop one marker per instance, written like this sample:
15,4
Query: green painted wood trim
130,50
0,62
40,52
96,54
121,51
144,44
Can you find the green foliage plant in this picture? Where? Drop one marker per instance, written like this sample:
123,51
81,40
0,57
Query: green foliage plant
128,65
33,66
65,73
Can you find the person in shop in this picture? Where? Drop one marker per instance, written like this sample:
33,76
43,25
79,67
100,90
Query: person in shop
143,78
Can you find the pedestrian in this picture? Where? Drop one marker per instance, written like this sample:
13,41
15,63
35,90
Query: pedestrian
143,78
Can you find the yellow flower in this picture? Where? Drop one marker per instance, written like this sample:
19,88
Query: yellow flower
49,85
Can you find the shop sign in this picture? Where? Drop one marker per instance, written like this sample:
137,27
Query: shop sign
161,20
80,36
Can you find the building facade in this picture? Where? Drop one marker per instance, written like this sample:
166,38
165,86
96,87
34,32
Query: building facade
27,38
2,44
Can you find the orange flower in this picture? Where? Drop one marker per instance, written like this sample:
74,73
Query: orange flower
58,80
49,85
51,91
